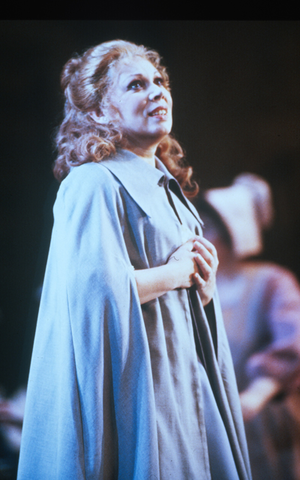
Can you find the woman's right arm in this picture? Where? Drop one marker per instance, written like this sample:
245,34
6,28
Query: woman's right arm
154,282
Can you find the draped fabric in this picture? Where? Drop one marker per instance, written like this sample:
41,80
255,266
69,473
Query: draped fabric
115,389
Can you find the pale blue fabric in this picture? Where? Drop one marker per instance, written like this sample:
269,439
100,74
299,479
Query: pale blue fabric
114,388
222,463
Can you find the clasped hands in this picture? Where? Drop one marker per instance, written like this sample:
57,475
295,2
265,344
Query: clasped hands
197,262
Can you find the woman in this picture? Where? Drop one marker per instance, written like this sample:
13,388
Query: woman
261,307
131,376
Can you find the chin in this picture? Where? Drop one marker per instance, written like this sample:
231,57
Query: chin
162,132
147,139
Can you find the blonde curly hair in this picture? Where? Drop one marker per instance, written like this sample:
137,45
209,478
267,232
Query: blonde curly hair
85,81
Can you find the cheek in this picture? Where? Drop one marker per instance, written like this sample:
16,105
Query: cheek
136,109
169,98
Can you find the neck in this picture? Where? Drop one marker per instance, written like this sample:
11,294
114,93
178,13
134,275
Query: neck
144,149
146,154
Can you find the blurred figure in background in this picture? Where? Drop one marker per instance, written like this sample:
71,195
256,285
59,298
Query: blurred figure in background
261,308
11,420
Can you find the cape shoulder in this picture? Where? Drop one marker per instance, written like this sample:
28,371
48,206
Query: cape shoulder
89,177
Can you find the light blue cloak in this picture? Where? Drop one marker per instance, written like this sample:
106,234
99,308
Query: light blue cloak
115,389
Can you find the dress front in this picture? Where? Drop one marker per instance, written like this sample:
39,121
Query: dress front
118,390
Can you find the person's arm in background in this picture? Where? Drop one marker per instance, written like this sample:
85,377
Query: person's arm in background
274,369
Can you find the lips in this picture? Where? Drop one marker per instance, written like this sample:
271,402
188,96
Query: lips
158,112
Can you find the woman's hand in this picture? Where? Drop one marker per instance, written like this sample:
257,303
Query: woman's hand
197,263
184,263
178,272
207,261
194,262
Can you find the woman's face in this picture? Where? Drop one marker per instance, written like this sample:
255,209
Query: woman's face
143,102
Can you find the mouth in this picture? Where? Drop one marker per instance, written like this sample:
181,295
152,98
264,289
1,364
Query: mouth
159,111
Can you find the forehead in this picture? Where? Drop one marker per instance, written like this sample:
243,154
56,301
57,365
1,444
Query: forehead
131,67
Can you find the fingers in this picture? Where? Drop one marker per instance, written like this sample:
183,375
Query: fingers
201,243
205,288
199,281
206,261
206,255
205,269
203,251
203,240
204,244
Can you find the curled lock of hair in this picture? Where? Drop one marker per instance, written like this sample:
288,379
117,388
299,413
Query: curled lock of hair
70,69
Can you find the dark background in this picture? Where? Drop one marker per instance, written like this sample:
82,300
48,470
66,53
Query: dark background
236,92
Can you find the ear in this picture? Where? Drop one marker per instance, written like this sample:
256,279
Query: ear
99,117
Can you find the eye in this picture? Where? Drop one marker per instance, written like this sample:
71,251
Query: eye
159,81
162,82
135,85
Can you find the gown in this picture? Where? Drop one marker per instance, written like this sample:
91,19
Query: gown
119,390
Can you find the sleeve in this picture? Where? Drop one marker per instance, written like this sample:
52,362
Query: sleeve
280,358
90,380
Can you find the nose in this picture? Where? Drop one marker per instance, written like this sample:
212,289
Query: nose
155,93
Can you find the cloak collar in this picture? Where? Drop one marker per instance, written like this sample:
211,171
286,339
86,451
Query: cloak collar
140,179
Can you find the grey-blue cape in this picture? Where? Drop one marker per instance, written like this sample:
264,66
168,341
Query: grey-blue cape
114,390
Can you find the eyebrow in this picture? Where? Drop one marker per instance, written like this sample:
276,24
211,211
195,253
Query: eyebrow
134,75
